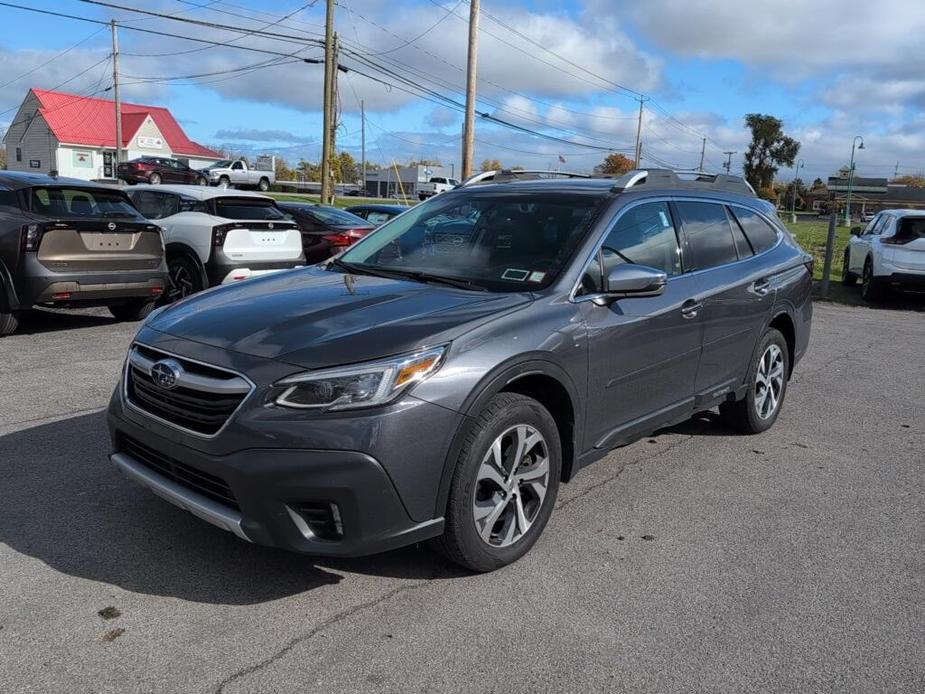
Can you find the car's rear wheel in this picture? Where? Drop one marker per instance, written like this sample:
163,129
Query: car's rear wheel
872,289
134,310
504,485
8,323
154,179
183,279
263,185
767,380
848,278
203,181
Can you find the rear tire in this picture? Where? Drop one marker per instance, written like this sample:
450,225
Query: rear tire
184,279
134,310
154,179
8,323
500,501
767,380
203,181
848,278
263,185
872,290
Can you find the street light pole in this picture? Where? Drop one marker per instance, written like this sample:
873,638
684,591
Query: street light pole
854,143
793,198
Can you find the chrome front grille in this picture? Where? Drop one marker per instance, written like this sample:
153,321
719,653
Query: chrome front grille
200,401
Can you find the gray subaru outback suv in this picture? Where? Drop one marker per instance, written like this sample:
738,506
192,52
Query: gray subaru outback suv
442,377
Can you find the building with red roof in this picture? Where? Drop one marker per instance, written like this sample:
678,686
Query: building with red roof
76,136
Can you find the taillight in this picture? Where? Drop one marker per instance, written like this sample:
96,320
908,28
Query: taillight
342,239
218,233
31,237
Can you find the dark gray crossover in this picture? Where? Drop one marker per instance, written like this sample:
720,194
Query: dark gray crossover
70,243
443,376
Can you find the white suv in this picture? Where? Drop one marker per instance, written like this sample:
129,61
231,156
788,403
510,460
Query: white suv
888,253
215,236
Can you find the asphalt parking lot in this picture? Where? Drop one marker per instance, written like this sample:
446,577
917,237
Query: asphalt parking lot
694,560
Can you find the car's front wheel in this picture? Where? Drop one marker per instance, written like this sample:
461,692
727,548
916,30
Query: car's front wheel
767,381
848,278
134,310
183,279
263,185
504,485
203,181
8,323
224,182
872,289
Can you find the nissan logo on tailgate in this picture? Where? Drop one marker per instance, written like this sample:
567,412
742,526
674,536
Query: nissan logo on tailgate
165,373
111,226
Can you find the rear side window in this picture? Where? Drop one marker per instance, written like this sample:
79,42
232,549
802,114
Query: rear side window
247,208
910,229
709,234
154,205
760,234
192,205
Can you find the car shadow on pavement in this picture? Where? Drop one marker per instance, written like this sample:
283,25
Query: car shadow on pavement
63,503
701,424
37,321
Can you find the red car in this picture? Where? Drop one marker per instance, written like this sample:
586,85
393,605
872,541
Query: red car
157,170
326,231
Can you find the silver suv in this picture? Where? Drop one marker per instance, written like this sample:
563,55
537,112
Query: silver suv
443,376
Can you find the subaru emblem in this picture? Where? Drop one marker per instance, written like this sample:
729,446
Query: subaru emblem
111,226
165,373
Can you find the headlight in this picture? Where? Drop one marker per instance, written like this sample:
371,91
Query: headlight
362,385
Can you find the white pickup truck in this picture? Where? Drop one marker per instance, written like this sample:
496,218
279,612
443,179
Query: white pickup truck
436,185
228,173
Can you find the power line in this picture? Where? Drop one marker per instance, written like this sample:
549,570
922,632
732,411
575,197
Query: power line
52,59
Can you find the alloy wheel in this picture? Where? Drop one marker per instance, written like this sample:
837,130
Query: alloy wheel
511,485
769,381
181,283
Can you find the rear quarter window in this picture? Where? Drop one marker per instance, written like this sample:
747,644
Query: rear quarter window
709,234
760,234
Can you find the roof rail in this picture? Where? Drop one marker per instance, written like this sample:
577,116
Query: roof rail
508,175
699,180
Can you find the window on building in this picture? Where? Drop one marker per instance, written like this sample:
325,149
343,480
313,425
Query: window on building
19,154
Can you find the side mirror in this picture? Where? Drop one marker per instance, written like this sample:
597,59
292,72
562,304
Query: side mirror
625,281
856,231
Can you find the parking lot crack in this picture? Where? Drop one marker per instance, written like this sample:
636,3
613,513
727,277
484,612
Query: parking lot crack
331,621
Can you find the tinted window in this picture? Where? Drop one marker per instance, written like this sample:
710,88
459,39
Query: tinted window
911,229
79,202
247,208
378,217
330,215
154,205
192,205
502,241
709,234
761,235
743,248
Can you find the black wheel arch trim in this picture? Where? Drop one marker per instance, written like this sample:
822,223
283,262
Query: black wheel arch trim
175,248
9,301
495,381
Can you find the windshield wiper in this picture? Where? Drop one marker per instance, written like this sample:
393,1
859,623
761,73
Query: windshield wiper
414,275
450,281
357,270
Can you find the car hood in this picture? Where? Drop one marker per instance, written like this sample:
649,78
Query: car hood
314,318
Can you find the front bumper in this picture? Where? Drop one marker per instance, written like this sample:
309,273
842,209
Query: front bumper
269,490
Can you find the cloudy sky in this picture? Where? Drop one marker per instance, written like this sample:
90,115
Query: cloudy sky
568,71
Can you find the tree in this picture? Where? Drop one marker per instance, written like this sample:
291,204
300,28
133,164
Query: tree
770,149
916,181
346,169
491,165
3,157
283,172
424,162
819,185
786,196
616,164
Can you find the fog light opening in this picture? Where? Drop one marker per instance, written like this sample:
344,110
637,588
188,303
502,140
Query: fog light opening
318,520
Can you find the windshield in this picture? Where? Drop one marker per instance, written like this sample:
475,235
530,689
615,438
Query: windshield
503,242
223,164
79,202
247,208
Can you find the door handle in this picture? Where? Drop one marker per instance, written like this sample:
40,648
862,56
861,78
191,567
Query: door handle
762,286
690,308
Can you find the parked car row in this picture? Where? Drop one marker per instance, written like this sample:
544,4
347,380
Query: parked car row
223,174
66,243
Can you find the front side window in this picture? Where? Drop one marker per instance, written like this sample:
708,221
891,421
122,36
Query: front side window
643,235
248,208
154,205
192,205
237,166
761,235
709,234
79,202
500,241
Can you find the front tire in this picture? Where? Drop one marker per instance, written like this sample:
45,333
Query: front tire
848,278
8,323
224,182
131,311
504,486
767,379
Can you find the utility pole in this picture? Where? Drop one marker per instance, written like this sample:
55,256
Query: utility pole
117,95
896,171
728,164
703,151
639,135
330,74
363,141
468,153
